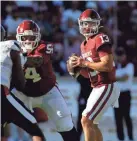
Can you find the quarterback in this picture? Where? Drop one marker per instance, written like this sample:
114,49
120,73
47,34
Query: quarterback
41,88
96,63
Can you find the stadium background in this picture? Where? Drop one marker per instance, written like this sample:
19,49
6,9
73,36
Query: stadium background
58,23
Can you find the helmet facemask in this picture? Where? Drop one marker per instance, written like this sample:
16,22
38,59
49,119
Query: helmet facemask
88,27
28,39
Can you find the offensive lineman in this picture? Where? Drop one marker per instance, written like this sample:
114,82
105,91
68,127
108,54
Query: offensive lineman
41,87
12,109
96,63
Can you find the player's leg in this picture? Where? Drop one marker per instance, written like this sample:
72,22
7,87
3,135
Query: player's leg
57,110
88,129
23,118
111,100
98,134
98,102
126,98
4,109
84,94
88,115
119,122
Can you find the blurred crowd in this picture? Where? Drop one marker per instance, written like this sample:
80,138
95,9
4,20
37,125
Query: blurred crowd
58,23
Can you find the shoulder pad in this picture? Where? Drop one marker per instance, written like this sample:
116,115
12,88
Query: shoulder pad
41,47
101,39
46,47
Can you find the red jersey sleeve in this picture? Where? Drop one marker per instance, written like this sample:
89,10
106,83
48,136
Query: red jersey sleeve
102,39
46,50
105,50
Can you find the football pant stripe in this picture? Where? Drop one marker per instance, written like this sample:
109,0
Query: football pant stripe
104,103
98,101
21,109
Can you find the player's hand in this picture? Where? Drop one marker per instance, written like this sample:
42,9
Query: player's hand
79,62
73,71
69,67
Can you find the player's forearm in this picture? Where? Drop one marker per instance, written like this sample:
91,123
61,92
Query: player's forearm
99,66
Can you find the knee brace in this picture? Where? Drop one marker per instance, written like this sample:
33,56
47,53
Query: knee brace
64,124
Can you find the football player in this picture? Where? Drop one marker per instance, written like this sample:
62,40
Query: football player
13,111
41,87
96,63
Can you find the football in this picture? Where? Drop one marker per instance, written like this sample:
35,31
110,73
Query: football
76,70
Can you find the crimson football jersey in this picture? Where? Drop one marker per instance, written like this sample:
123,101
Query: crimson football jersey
92,50
40,80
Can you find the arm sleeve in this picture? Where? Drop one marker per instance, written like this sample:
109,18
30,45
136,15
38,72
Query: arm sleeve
46,51
101,40
104,50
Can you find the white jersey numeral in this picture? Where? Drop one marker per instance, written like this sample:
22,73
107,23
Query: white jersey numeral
104,38
31,73
49,49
